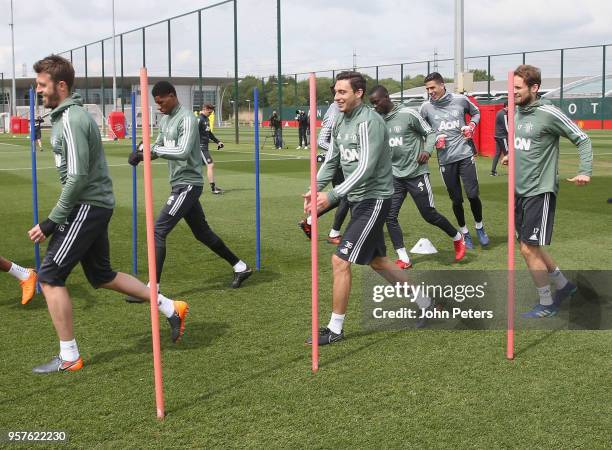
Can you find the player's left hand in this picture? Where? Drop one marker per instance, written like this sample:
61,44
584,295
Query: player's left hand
220,145
423,157
468,130
580,180
36,235
504,160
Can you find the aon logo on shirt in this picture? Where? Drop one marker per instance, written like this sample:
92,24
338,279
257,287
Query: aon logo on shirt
449,125
396,141
522,143
349,154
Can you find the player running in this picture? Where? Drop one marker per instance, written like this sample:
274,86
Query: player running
538,126
445,112
360,146
411,140
78,224
178,142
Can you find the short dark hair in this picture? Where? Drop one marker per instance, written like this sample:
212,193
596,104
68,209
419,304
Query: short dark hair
58,68
379,89
209,106
355,78
163,88
434,76
531,74
505,103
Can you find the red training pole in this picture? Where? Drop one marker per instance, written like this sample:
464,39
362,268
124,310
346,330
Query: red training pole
148,188
511,225
313,227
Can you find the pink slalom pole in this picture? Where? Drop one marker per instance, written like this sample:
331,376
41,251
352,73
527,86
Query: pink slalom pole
314,250
148,188
511,224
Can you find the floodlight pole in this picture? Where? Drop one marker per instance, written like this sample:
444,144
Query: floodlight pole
13,91
459,46
114,61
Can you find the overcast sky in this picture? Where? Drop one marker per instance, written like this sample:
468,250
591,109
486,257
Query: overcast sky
316,34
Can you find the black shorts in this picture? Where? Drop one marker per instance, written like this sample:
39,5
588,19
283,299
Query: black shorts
184,202
84,239
501,145
534,218
419,189
363,240
206,155
455,173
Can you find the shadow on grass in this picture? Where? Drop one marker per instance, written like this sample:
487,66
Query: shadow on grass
82,295
356,336
262,374
535,343
222,283
267,372
197,334
444,258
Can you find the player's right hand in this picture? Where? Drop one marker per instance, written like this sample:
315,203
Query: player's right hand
135,158
440,141
423,157
504,160
580,180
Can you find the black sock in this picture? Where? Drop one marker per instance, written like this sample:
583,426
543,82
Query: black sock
212,186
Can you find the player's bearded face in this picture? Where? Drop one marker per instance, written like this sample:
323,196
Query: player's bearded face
345,97
523,94
48,89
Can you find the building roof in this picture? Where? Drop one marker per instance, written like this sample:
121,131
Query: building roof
498,88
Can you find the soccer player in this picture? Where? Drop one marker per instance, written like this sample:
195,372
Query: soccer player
342,210
538,125
178,142
501,137
411,141
207,135
445,112
26,277
78,224
359,145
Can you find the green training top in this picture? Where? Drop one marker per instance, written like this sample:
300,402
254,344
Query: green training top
359,144
409,135
80,160
536,144
179,142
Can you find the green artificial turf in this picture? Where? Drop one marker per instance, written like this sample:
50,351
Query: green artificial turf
241,375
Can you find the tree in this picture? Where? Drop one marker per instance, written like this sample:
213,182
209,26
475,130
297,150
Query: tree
481,75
